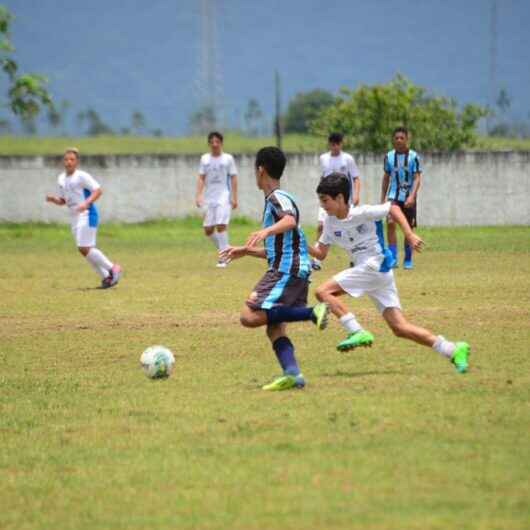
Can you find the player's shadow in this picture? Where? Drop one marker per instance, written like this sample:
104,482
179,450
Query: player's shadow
85,289
340,373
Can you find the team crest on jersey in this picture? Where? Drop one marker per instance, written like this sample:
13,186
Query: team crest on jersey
338,233
362,229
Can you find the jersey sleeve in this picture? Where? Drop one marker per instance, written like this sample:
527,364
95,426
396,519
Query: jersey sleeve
386,166
353,170
202,165
327,237
417,164
89,182
60,188
232,168
369,212
322,165
282,205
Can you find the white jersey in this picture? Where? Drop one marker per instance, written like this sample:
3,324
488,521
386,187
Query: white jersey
342,163
218,171
74,189
361,235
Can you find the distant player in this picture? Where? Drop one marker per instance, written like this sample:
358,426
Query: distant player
401,182
217,191
79,191
335,160
281,294
359,231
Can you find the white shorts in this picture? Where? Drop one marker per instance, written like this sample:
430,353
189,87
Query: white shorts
217,214
379,286
84,235
322,215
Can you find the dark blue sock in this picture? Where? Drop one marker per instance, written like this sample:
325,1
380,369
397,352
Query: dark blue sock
282,313
408,252
284,350
393,249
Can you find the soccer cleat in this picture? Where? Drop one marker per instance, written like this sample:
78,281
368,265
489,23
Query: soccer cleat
460,356
407,264
115,274
285,382
358,339
320,315
221,264
316,265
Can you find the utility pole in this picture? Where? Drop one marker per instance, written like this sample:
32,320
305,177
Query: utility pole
493,62
278,112
210,77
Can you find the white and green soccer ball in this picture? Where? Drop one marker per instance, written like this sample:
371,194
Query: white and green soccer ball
157,362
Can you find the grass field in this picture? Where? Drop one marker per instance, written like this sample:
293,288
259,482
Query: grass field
389,438
236,143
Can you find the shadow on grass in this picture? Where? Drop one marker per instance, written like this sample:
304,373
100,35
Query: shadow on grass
340,373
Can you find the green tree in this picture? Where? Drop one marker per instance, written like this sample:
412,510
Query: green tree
253,116
304,108
202,120
56,116
504,101
137,122
95,125
26,93
367,116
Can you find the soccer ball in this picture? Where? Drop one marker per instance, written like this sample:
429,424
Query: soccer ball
157,362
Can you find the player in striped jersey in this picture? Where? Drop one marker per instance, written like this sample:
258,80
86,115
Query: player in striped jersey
281,294
401,182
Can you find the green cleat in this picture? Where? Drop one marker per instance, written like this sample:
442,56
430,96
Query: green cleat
320,315
460,356
285,382
358,339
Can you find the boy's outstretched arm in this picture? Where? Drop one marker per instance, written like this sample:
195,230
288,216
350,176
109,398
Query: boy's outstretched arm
286,223
414,241
59,201
232,253
318,250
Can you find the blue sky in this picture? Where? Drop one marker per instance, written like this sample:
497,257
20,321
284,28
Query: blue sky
134,55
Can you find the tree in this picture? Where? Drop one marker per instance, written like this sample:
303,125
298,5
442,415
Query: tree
95,125
367,116
26,93
304,108
137,122
504,101
253,116
202,120
56,116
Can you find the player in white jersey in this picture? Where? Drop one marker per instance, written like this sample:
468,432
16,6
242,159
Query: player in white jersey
79,191
337,161
359,231
217,192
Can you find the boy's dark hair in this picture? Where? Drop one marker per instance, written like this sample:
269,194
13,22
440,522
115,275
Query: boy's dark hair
273,160
215,134
333,185
335,138
401,129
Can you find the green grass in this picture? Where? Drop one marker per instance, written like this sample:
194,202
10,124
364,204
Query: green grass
386,438
237,143
104,145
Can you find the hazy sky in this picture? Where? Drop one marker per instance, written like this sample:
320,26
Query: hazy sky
127,55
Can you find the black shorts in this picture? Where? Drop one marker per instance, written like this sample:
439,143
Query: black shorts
276,288
410,213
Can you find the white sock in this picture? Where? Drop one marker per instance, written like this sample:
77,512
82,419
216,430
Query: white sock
444,347
99,259
104,273
349,323
213,237
222,237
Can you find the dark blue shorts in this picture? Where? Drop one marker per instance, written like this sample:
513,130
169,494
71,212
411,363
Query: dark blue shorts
276,288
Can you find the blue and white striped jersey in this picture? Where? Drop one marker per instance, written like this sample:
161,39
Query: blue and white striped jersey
286,253
401,167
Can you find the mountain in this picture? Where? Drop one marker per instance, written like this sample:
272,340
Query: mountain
117,57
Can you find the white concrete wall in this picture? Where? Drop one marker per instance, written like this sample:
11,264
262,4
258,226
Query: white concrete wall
469,188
